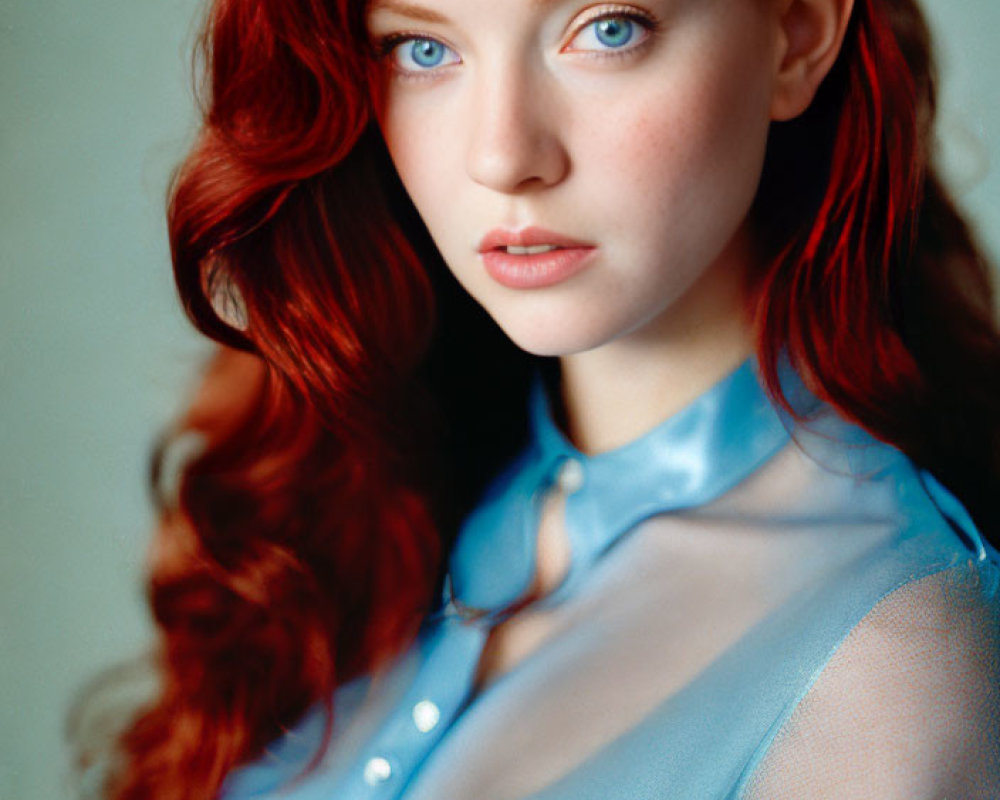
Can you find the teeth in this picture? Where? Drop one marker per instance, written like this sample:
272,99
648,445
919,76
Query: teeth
514,250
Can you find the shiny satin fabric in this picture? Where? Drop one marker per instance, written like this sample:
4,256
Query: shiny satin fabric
754,608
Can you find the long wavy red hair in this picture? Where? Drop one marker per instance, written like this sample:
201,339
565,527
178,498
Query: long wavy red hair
345,425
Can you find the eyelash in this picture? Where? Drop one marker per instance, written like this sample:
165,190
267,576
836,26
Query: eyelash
386,45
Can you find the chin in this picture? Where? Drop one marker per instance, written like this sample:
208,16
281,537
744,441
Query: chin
555,340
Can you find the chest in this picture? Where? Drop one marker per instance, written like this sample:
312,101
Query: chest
675,589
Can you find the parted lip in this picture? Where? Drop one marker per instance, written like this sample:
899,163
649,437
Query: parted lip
526,237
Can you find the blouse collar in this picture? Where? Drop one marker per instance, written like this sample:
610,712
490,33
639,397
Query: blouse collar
689,459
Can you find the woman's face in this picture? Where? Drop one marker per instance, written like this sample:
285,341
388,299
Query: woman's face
630,136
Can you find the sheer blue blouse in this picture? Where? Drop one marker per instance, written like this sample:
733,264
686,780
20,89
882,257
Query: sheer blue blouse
754,608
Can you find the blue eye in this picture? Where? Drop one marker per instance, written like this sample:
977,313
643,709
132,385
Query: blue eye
427,52
420,54
611,33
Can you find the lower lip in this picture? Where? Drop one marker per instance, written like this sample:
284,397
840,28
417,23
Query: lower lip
537,270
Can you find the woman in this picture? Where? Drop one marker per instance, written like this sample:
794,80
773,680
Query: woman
698,542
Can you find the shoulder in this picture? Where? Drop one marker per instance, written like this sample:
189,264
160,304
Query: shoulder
908,706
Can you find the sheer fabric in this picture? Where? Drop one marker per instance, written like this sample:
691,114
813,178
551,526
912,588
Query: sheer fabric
907,707
744,615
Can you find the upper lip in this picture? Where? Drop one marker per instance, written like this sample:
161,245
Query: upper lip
526,237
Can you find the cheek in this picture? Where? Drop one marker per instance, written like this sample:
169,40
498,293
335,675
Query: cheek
418,143
693,155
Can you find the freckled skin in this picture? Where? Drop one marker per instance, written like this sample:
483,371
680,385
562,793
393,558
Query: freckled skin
653,157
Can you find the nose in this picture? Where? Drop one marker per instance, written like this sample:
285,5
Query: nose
515,141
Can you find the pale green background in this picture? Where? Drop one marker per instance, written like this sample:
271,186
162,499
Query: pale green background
95,108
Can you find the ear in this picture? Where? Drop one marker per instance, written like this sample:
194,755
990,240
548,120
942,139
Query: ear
811,33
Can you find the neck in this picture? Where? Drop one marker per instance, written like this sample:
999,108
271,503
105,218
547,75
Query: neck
619,391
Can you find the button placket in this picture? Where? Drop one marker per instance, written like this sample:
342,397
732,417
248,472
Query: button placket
435,698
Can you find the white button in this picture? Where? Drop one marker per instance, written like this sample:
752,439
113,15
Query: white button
570,477
426,715
377,771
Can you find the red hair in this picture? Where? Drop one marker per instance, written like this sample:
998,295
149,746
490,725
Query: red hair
304,545
871,281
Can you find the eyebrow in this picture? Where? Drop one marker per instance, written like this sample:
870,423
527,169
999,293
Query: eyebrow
407,10
422,14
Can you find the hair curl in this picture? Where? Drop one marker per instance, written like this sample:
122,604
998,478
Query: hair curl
345,425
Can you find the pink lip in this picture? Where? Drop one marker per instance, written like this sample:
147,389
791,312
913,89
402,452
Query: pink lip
526,237
536,270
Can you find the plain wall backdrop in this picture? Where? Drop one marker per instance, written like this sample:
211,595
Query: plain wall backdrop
95,355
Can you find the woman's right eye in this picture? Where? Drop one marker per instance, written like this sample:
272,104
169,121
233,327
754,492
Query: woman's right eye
416,54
